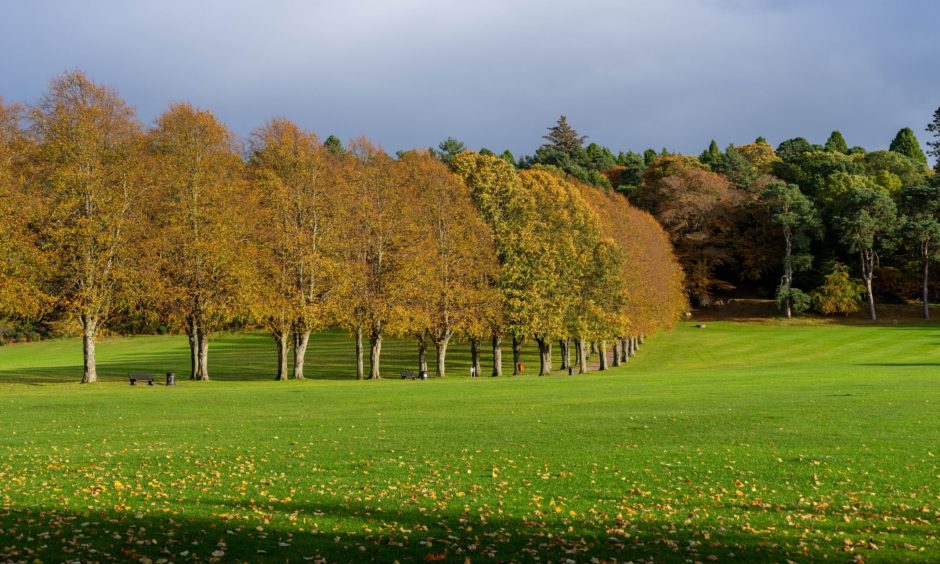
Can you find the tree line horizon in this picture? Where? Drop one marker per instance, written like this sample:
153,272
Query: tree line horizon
106,221
185,227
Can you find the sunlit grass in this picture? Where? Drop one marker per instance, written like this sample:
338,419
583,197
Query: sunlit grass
766,441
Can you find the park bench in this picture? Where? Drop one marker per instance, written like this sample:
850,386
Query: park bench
134,377
413,376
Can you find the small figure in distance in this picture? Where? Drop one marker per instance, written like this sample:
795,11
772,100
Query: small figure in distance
520,368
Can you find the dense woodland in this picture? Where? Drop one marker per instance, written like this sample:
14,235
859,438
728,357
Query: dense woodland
110,226
824,227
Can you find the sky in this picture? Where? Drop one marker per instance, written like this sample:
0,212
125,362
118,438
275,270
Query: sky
497,73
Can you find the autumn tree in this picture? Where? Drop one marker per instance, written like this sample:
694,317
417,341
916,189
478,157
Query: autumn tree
839,293
199,226
497,193
457,250
21,262
697,208
87,148
302,205
868,217
921,227
797,221
381,254
649,294
556,248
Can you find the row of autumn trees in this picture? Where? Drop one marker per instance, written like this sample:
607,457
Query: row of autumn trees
820,226
101,217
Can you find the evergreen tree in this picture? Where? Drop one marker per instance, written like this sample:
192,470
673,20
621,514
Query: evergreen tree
448,149
334,145
836,143
934,128
905,142
563,137
508,157
649,156
712,155
761,141
736,168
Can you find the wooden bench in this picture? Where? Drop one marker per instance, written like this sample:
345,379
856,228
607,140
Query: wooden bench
134,377
413,376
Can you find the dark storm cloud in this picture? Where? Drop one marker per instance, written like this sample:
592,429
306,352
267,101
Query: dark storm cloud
672,73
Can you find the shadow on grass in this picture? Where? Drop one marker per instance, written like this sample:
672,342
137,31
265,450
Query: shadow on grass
402,533
248,356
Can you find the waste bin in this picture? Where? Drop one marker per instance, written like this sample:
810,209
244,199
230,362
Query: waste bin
171,378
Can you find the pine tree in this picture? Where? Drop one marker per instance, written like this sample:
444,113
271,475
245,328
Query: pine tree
563,137
934,128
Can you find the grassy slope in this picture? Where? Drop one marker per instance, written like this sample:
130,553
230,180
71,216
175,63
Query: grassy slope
762,440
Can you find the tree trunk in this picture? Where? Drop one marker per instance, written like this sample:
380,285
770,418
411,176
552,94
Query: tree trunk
301,339
602,351
441,345
616,352
516,355
641,339
375,352
360,368
563,345
89,333
624,349
192,333
475,358
545,357
593,349
788,272
580,353
631,349
925,257
422,353
202,374
281,342
868,266
497,355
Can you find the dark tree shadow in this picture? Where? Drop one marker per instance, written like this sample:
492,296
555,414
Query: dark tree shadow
404,533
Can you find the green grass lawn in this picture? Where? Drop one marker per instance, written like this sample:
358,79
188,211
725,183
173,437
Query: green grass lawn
765,441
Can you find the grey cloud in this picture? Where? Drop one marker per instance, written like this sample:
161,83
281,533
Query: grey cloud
631,75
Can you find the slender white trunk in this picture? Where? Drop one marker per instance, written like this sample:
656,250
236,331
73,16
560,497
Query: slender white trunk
497,356
602,351
202,373
89,334
360,368
441,345
375,353
301,340
925,257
